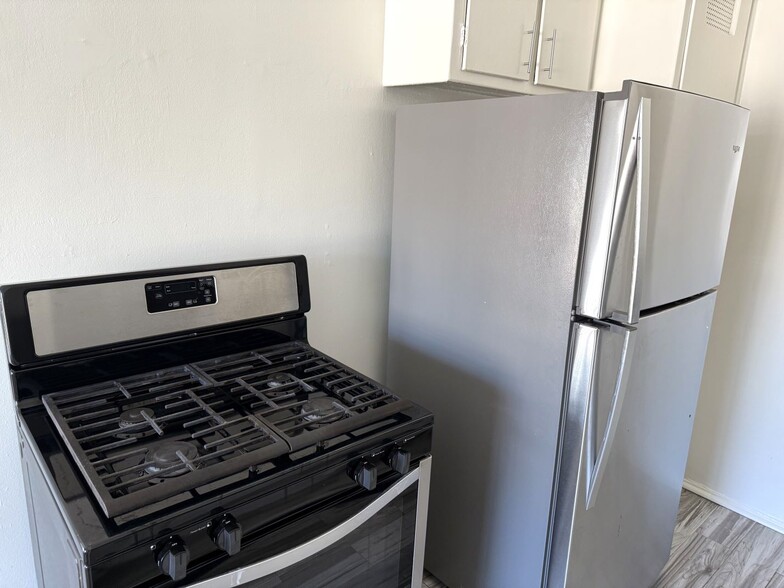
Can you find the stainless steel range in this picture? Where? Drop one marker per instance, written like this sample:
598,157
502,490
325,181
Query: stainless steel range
176,428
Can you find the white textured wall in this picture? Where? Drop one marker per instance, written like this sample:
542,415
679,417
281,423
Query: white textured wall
737,453
638,36
148,134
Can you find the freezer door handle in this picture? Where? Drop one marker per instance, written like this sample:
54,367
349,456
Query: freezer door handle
598,450
635,166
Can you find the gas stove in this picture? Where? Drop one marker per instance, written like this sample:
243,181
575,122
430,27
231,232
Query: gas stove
177,429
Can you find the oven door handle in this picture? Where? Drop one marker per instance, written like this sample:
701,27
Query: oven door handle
302,552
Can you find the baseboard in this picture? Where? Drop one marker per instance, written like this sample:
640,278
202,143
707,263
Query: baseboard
727,502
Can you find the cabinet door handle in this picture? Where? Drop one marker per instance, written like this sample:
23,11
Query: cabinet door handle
530,50
549,69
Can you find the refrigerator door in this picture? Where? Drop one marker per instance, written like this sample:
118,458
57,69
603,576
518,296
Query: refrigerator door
629,414
664,185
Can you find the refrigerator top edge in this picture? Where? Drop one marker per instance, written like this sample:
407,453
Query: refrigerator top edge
627,88
484,102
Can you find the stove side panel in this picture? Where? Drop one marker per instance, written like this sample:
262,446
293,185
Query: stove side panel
57,559
489,197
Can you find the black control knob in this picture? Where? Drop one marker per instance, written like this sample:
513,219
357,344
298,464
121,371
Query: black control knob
228,534
365,475
399,460
173,558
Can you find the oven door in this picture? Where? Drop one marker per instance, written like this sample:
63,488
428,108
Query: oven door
369,540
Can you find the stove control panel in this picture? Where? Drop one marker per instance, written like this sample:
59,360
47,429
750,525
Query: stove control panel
179,294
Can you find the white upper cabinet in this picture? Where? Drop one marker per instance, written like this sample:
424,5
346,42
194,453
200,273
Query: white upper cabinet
500,38
542,46
527,46
694,45
567,41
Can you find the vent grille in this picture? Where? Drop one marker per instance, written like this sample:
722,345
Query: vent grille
722,15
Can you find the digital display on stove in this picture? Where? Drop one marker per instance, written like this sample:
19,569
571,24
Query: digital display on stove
179,294
175,287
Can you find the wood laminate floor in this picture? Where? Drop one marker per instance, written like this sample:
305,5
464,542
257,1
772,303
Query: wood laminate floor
713,547
430,581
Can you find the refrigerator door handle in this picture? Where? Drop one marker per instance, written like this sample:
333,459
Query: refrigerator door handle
635,165
596,458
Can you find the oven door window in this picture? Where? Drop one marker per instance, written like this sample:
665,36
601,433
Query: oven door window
368,540
379,553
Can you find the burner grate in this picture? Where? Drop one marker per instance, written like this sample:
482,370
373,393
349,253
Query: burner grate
141,439
303,395
117,431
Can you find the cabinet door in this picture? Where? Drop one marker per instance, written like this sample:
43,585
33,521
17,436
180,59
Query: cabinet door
567,43
713,61
501,37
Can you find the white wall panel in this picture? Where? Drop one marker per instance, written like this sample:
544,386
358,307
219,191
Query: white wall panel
737,453
146,134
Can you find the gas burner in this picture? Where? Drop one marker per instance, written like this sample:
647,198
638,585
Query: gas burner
133,423
162,457
278,380
320,411
285,383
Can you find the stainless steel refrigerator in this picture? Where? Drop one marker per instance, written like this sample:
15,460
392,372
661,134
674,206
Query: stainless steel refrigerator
555,262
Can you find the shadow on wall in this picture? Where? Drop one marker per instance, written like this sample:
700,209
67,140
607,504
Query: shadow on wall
732,351
459,438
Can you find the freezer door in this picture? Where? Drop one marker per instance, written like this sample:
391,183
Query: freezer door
629,407
664,184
